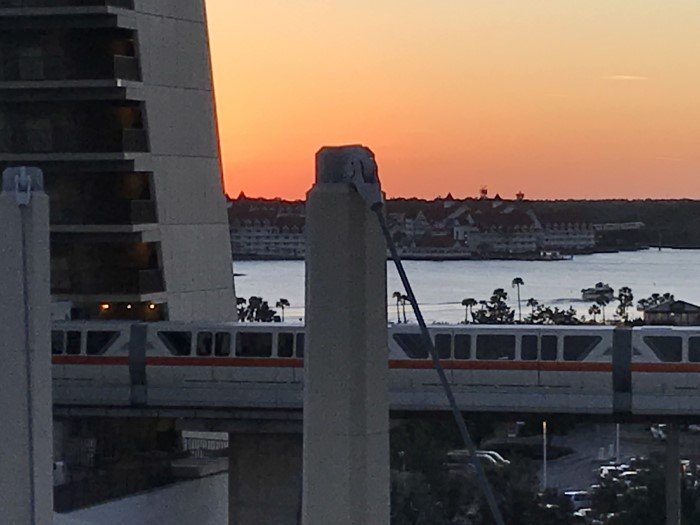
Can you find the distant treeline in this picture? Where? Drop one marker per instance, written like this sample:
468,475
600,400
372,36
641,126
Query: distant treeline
669,223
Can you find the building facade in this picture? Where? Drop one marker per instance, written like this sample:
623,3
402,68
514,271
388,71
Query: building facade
113,100
267,229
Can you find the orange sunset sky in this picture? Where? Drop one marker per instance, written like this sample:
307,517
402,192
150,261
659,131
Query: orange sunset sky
558,98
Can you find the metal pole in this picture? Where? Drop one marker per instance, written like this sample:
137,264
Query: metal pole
673,475
617,442
544,455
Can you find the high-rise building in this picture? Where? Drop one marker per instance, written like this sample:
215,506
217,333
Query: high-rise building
113,100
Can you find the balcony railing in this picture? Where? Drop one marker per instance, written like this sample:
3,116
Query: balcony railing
67,140
14,4
38,68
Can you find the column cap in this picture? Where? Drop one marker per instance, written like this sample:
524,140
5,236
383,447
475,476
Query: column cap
336,164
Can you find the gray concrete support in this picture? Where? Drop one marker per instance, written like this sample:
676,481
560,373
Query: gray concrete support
346,416
264,479
26,485
673,475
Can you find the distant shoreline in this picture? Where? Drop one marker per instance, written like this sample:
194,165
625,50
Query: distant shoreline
466,257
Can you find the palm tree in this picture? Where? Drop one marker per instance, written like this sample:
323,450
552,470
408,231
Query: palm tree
594,310
282,304
254,306
241,308
602,301
532,303
404,300
397,296
517,283
626,299
468,304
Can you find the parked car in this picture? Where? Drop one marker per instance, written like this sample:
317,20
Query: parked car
658,432
579,498
493,454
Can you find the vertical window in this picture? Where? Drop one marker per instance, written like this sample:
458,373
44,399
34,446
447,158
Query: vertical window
528,348
548,348
222,344
204,343
495,347
285,345
73,343
694,349
443,346
463,346
300,345
58,342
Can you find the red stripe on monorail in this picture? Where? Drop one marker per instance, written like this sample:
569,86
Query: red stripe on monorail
673,368
89,360
399,364
548,366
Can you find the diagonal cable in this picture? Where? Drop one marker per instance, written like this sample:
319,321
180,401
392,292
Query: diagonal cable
428,342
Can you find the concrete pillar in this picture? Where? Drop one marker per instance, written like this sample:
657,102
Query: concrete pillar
346,414
673,475
26,487
264,479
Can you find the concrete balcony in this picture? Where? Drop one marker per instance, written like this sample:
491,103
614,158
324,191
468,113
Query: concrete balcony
108,282
61,140
33,72
109,215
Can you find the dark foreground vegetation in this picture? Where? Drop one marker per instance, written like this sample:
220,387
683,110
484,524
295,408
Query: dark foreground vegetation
426,489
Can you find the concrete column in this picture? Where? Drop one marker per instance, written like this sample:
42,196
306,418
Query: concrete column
673,475
264,479
26,487
346,414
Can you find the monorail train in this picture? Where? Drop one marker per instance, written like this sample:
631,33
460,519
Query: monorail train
509,368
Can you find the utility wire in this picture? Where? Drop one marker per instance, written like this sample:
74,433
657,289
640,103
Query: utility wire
428,342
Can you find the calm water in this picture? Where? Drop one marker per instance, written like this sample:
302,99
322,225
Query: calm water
441,286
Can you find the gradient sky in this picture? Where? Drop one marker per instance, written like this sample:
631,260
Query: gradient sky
557,98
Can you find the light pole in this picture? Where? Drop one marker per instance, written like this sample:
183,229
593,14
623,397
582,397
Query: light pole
544,456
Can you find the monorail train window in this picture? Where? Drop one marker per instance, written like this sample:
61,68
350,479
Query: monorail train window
204,343
528,348
463,346
73,343
178,343
666,348
300,345
694,349
99,342
254,344
495,347
285,345
222,344
58,342
412,344
548,348
443,345
577,347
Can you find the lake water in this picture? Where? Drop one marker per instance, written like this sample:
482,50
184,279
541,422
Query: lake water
440,286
